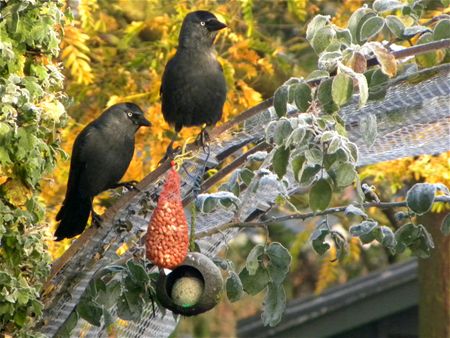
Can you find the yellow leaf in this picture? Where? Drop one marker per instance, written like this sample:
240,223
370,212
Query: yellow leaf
16,193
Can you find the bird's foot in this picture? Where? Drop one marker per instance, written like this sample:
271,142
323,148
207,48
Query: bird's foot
202,138
129,185
96,219
170,153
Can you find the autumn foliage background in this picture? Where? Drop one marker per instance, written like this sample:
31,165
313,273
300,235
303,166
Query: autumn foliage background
115,51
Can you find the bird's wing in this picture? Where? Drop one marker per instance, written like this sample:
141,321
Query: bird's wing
79,160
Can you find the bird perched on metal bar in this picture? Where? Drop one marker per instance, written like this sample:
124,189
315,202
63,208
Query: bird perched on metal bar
101,155
193,88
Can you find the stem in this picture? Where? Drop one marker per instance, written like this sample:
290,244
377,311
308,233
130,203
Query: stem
303,216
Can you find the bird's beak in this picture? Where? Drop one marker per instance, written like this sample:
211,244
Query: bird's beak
142,121
215,25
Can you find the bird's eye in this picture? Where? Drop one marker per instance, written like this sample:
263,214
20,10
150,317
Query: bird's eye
202,23
130,114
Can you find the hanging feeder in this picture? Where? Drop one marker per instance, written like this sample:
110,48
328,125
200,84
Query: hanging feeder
191,288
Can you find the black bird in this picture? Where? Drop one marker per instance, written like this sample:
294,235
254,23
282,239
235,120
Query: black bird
101,154
193,88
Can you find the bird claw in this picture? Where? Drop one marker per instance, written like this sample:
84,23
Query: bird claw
202,138
170,153
96,219
129,185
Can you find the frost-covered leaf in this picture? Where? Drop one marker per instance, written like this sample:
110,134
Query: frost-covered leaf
322,38
302,96
371,28
345,174
274,305
279,262
234,287
253,259
420,197
353,210
256,283
395,25
318,22
208,202
387,5
318,238
342,89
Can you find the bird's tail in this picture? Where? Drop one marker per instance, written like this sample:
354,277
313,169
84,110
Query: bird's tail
73,217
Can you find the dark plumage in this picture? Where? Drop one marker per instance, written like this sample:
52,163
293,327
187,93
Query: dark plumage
100,156
193,88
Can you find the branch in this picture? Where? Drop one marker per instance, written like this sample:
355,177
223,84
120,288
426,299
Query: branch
303,216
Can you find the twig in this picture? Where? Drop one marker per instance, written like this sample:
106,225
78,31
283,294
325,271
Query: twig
303,216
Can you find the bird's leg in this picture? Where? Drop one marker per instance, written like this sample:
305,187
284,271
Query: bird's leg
96,219
130,185
170,152
203,137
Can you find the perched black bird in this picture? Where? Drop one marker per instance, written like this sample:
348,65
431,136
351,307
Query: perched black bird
193,88
100,156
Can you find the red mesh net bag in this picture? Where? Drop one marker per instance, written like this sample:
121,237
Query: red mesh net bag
167,238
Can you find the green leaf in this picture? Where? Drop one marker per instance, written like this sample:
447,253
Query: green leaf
378,85
442,30
387,5
420,197
296,137
234,287
446,3
90,312
256,283
320,195
431,58
325,97
422,246
406,235
297,164
308,173
329,60
343,35
322,38
274,305
318,22
395,25
137,272
345,174
302,96
130,304
342,89
246,176
253,259
364,19
280,100
371,28
280,260
368,128
280,161
445,226
318,238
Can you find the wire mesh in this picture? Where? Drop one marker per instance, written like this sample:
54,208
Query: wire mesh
413,119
